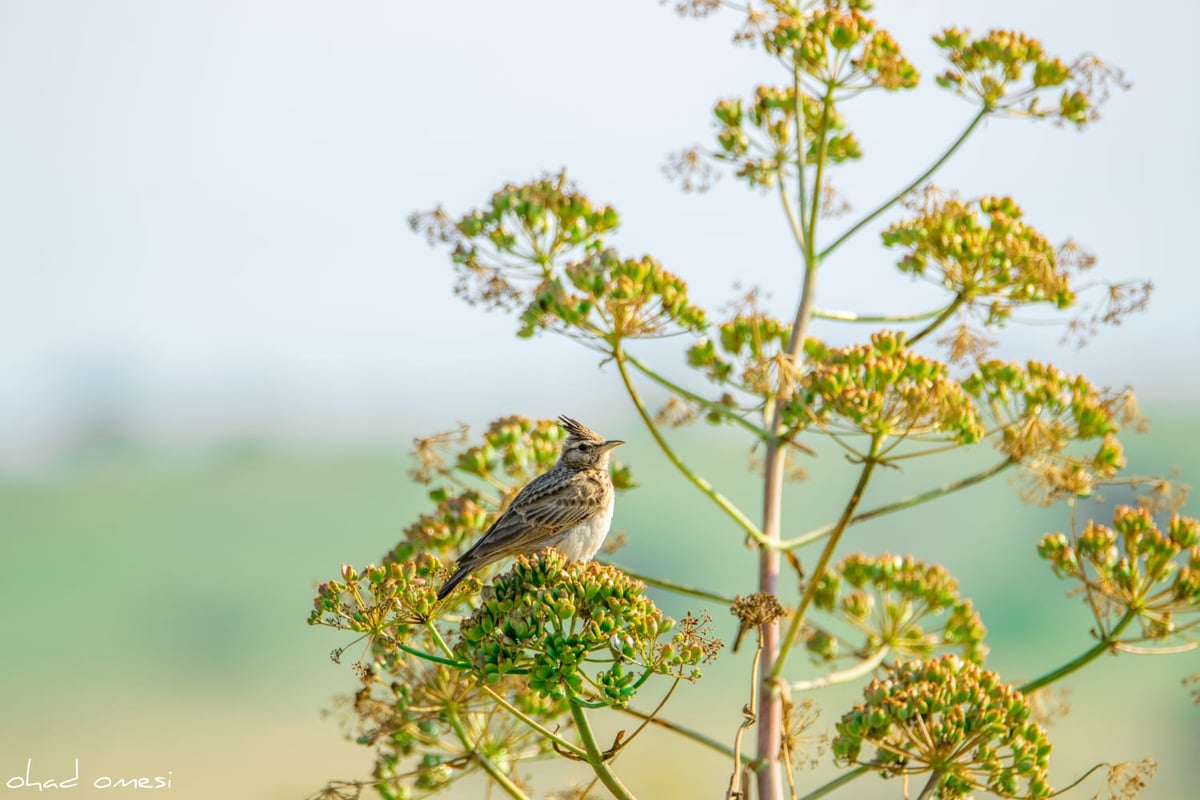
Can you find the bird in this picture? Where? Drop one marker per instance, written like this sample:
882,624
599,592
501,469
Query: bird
569,508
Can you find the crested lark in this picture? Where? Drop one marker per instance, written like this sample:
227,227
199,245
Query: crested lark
569,508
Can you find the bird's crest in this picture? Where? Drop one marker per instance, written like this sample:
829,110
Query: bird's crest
577,430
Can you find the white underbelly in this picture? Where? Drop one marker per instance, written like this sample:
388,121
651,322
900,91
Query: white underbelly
583,541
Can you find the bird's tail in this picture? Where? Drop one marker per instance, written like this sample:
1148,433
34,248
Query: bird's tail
464,569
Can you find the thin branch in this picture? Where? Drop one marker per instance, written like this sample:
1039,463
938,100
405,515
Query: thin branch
674,388
670,586
924,176
853,316
749,717
793,221
489,766
594,756
935,780
688,733
837,783
947,312
1103,646
907,502
864,667
810,589
700,483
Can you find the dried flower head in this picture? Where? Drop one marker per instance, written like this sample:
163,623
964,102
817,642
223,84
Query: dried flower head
950,720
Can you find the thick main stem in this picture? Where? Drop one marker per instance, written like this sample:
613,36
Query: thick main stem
770,716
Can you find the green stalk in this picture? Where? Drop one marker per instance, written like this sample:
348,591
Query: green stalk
946,313
836,783
507,706
688,733
853,316
886,204
675,388
489,766
907,502
835,535
862,668
700,483
412,651
593,755
689,591
1106,642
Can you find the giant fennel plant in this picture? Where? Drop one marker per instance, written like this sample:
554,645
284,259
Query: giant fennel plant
514,668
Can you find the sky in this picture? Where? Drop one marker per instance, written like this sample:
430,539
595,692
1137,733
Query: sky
203,205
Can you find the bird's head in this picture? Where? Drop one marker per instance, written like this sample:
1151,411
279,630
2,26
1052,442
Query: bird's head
584,447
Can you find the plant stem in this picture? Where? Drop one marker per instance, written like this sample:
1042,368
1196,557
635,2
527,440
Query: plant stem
935,780
814,579
864,667
836,783
509,707
593,755
421,654
749,717
946,313
700,483
886,204
770,707
854,316
701,594
907,502
1103,646
489,766
675,388
688,733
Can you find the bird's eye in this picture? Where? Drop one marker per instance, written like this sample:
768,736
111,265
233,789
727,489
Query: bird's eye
585,446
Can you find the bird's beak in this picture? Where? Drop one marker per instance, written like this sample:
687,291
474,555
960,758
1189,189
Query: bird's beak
610,444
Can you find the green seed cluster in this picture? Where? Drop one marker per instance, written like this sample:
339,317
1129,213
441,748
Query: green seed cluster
984,254
839,46
568,626
952,719
381,601
539,248
613,297
1011,72
883,389
760,134
1041,410
1134,566
910,607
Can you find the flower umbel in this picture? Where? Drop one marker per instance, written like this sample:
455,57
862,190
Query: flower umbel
905,605
579,629
952,721
1135,567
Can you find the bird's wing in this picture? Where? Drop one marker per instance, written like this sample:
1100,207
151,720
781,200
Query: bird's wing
547,506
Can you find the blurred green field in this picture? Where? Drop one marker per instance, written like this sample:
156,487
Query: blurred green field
156,607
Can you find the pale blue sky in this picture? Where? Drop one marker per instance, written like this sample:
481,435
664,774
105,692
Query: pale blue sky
202,205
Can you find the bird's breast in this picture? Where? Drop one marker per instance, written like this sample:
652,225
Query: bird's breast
582,542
